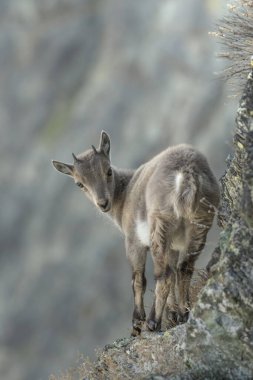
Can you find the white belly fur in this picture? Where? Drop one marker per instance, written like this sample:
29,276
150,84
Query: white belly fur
143,234
142,230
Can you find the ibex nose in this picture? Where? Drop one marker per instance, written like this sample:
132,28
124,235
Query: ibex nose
103,204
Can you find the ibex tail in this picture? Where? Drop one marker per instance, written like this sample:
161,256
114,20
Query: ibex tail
186,189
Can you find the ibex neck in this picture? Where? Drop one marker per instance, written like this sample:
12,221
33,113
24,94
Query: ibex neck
122,178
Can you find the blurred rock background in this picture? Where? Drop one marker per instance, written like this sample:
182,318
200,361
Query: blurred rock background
144,72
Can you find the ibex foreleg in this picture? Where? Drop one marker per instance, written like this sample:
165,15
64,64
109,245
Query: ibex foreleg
137,258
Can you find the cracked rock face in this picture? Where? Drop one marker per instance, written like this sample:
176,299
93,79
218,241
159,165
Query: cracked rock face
226,303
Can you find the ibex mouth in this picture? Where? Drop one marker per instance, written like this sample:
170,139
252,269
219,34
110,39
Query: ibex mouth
105,210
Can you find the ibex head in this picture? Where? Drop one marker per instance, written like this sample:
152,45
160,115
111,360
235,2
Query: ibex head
92,172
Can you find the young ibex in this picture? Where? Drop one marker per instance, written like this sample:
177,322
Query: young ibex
165,206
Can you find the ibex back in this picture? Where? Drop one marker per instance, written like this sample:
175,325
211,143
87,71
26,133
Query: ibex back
165,206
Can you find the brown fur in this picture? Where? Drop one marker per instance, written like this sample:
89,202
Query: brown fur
165,206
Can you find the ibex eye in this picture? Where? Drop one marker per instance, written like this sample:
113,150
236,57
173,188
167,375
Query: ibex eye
109,173
79,184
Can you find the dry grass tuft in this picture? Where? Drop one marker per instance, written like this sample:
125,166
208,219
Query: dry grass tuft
235,32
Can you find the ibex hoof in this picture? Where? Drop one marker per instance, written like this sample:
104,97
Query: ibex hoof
153,325
172,319
137,326
171,315
182,317
135,332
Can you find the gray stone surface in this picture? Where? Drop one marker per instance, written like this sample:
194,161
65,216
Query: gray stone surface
143,71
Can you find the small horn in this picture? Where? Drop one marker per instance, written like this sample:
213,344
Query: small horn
75,158
94,149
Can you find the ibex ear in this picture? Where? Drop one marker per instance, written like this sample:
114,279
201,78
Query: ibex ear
104,145
63,168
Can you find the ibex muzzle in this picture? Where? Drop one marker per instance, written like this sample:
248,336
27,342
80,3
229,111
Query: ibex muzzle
166,206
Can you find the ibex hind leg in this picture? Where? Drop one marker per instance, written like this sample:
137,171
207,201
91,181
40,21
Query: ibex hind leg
159,241
171,311
154,321
182,284
185,269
